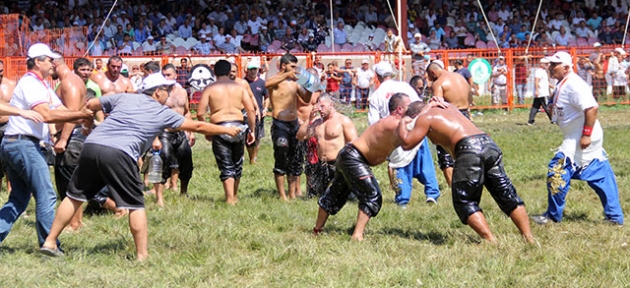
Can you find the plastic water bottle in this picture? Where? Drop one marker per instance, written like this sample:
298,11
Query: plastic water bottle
155,168
307,80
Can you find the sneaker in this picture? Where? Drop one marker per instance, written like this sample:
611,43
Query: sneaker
531,123
540,219
612,222
403,206
431,200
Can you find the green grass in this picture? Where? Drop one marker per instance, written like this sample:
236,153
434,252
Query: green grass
263,242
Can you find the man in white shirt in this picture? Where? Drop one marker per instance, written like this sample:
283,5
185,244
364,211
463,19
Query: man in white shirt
581,155
499,81
364,79
149,47
541,90
400,160
21,153
254,24
617,73
563,38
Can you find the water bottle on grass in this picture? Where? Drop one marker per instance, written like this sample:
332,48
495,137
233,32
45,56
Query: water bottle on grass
155,168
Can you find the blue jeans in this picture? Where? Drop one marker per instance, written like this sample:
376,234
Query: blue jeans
421,168
29,175
599,176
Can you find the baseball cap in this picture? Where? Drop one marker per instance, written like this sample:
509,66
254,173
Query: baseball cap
255,63
365,61
383,68
371,35
124,68
153,81
41,49
150,37
417,35
561,58
544,61
597,44
620,51
438,62
310,34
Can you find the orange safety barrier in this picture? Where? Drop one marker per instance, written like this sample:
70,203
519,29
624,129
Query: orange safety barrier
520,65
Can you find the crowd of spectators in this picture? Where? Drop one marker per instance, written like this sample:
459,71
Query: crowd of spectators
207,27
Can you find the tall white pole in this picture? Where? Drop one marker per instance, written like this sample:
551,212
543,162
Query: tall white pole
400,37
332,28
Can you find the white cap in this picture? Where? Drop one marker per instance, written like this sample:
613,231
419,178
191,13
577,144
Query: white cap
203,36
365,61
544,61
438,62
153,81
561,57
417,35
124,68
371,35
620,51
254,63
293,22
411,26
41,49
228,36
310,34
383,68
597,44
150,37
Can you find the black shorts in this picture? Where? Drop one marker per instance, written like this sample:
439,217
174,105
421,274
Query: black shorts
288,159
106,166
353,175
228,152
479,162
319,177
176,154
259,133
66,162
445,160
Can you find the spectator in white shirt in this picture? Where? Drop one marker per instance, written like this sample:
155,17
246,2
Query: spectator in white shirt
241,25
149,47
556,23
563,38
219,38
583,31
504,13
254,24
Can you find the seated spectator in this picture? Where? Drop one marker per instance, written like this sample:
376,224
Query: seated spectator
236,39
164,28
109,29
185,30
229,21
594,22
141,33
241,25
264,39
129,31
205,30
98,46
280,31
579,18
563,38
125,47
439,31
498,27
418,48
303,36
310,45
288,41
606,36
228,47
505,33
165,46
118,36
522,33
433,42
556,23
461,31
149,47
254,24
340,34
203,47
582,31
219,38
451,41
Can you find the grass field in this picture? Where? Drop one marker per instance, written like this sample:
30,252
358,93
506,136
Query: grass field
263,242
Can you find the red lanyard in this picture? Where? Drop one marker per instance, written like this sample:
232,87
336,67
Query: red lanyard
555,98
40,79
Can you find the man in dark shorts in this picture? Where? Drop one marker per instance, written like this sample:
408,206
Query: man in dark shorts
455,89
261,94
116,160
283,94
226,100
479,162
353,173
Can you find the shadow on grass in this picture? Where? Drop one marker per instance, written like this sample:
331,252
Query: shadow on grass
262,193
435,238
204,198
109,248
576,217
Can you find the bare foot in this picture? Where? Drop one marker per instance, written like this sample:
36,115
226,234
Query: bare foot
160,203
284,198
357,238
